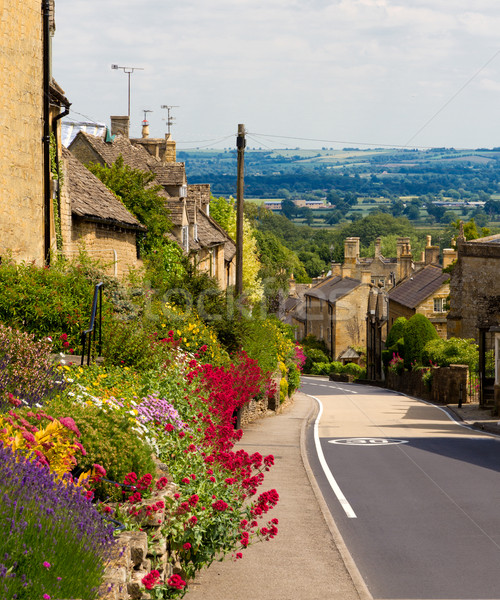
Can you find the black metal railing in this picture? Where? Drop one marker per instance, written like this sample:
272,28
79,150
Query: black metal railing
89,335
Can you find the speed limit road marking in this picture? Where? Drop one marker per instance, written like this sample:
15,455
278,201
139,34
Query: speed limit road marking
367,441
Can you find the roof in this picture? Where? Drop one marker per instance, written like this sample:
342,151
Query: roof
136,157
349,353
413,291
333,288
91,199
291,303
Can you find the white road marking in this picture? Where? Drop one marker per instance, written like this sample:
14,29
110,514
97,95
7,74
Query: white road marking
367,441
331,479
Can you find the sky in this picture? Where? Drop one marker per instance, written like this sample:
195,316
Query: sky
296,73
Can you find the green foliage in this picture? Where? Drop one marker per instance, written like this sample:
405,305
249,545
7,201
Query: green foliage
320,368
224,212
137,191
311,341
109,438
293,378
314,355
417,332
453,351
396,332
353,369
336,367
48,302
377,225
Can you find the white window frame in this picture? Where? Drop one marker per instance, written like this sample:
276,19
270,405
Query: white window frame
439,305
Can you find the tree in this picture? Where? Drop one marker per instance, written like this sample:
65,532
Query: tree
288,208
138,192
224,212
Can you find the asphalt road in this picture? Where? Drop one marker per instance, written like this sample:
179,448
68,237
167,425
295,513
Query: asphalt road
415,495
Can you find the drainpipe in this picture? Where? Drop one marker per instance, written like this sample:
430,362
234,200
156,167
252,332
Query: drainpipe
46,127
56,138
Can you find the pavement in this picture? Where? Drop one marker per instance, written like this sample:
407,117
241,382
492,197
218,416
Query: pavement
308,559
475,416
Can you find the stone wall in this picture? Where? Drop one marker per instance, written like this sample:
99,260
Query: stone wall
21,109
475,288
115,247
448,384
133,558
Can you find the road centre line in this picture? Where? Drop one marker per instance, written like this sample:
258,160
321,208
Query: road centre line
326,469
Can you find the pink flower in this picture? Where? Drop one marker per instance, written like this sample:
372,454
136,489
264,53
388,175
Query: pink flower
70,424
46,597
46,564
187,546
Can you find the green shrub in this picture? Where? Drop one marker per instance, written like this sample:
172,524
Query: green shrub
353,369
320,368
283,389
417,332
313,355
396,332
293,378
454,351
336,367
129,344
311,341
109,439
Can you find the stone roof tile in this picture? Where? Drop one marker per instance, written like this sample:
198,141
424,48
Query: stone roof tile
91,199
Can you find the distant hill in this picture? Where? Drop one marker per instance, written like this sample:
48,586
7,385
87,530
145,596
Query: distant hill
376,172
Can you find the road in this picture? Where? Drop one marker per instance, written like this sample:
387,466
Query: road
415,495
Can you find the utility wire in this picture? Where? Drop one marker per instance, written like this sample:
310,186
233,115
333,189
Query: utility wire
460,90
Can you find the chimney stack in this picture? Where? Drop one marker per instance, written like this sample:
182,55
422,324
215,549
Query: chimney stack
170,152
336,269
120,125
449,255
145,129
378,243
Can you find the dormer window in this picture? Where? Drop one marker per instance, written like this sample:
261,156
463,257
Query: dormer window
185,237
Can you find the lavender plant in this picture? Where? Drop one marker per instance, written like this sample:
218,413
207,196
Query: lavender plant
27,375
53,542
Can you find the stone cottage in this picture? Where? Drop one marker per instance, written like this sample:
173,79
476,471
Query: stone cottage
475,306
201,238
92,216
425,292
335,312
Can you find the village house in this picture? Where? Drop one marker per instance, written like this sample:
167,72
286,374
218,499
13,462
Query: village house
475,307
425,292
201,238
94,219
31,108
335,312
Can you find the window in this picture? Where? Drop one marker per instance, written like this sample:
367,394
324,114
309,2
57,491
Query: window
439,305
185,238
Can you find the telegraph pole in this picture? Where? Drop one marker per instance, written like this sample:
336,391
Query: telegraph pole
240,145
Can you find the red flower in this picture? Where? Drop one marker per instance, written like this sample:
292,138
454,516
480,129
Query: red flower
220,505
161,483
187,546
151,579
176,581
169,427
